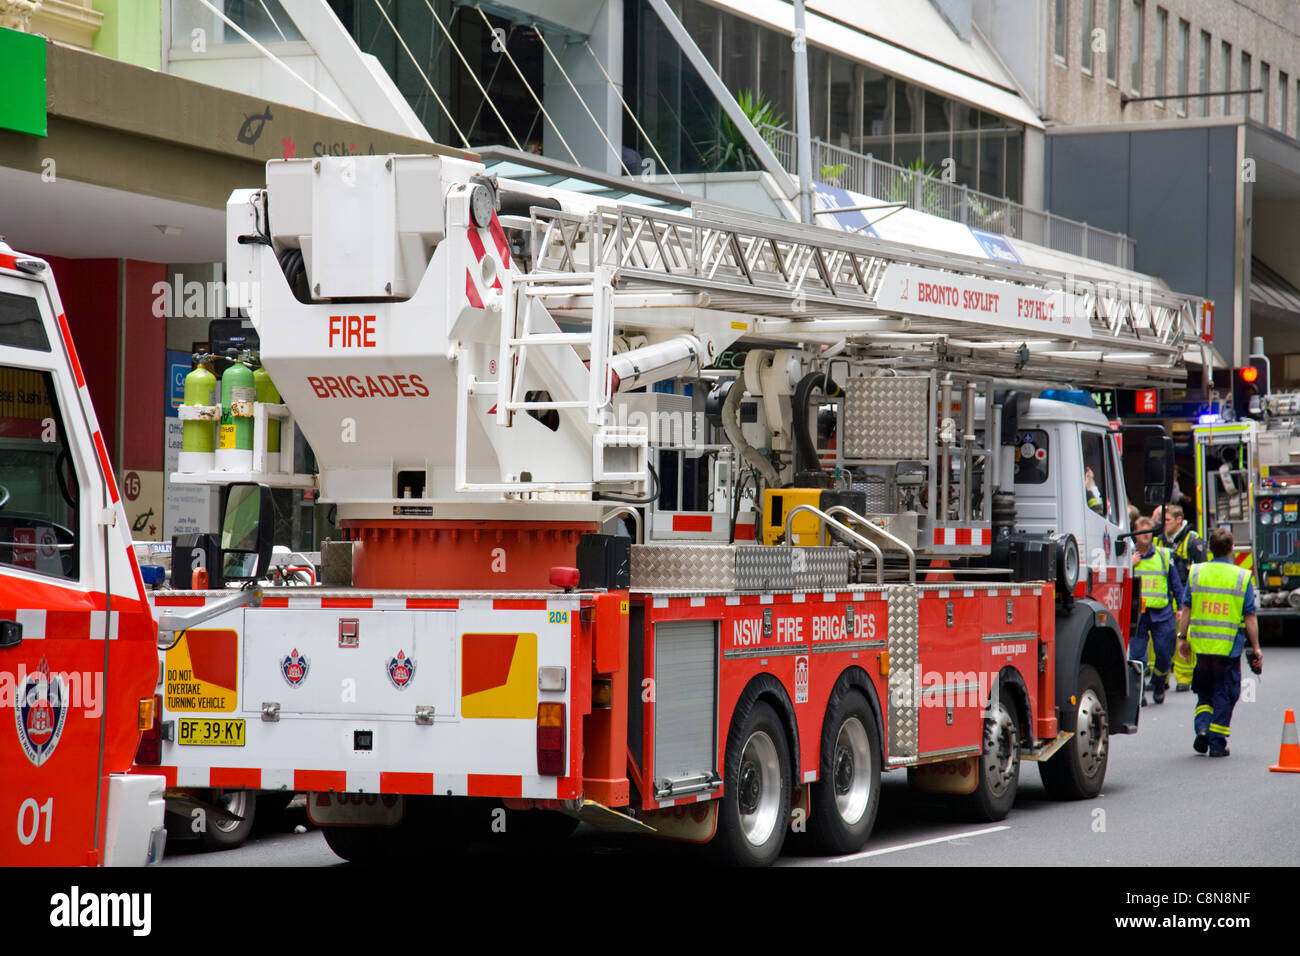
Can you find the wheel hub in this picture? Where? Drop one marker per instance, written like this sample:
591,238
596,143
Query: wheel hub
1092,729
852,771
758,788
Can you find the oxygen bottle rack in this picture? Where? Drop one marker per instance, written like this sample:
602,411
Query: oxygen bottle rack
263,413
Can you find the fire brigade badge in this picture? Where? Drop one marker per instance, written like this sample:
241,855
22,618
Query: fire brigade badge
1105,543
401,670
41,710
294,668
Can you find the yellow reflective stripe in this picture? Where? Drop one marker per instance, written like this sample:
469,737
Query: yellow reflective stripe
1219,729
1205,709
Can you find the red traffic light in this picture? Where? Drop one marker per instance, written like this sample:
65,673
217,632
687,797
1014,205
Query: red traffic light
1249,374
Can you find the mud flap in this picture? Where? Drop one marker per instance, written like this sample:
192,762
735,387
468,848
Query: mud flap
947,776
356,809
1132,705
609,819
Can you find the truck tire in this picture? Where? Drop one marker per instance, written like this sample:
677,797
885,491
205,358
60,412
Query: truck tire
364,844
998,776
846,796
1078,769
756,805
229,834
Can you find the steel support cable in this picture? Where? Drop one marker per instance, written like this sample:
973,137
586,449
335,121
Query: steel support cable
416,63
644,135
277,61
618,158
529,87
272,19
472,75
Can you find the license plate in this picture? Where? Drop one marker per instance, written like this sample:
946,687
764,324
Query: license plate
211,732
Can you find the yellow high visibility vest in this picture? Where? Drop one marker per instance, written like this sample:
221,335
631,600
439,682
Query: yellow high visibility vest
1153,572
1218,593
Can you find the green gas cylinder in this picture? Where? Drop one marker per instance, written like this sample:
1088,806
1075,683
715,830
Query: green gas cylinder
268,395
235,434
199,436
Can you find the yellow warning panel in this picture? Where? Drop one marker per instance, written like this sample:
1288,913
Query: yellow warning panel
498,676
201,672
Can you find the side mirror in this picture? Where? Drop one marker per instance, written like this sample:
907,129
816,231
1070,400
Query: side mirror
247,527
1158,470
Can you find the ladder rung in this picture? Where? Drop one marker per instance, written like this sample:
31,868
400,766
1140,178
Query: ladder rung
554,338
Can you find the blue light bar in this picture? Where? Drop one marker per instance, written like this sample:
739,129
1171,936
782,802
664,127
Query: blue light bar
1075,396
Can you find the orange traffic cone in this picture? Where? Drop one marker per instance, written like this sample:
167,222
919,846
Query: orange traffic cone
1288,758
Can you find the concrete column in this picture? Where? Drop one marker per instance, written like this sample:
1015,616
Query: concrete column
583,138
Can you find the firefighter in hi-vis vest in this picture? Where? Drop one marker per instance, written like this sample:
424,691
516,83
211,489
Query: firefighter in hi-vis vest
1218,614
1188,549
1161,589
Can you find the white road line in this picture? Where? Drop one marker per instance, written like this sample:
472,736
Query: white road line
912,846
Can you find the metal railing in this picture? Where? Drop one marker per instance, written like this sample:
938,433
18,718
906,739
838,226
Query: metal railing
873,177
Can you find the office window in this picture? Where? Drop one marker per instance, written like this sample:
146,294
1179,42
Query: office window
1205,73
1225,53
1060,28
1244,80
1265,80
1184,40
1085,35
1112,40
1162,37
1136,35
1283,88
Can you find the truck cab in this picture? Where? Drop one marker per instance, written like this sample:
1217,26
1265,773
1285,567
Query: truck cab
78,661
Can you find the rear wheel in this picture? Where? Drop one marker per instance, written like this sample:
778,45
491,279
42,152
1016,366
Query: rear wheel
756,807
226,833
1078,769
999,765
847,793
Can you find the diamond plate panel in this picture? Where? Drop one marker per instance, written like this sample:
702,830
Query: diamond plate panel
694,567
887,417
820,569
765,568
904,668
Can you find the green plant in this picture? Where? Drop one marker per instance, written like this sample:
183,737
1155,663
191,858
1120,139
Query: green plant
831,174
902,187
729,152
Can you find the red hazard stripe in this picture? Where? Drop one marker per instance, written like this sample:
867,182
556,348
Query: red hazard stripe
66,333
320,781
181,602
102,452
504,604
275,602
471,292
432,604
476,243
9,262
347,602
693,523
235,778
963,535
393,782
495,785
499,237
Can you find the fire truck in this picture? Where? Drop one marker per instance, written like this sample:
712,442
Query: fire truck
1248,480
78,653
594,572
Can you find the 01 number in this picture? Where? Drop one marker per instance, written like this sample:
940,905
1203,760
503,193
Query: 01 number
29,820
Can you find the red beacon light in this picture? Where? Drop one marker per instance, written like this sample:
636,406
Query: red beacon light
1249,374
566,578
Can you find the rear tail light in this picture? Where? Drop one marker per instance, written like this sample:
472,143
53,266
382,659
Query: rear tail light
149,753
550,739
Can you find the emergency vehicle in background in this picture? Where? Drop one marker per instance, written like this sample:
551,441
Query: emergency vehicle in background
78,653
1248,480
487,371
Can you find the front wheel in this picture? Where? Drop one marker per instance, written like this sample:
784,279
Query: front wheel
847,793
999,765
1077,770
756,807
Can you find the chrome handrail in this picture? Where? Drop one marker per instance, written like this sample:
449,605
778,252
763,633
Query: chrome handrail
635,515
888,536
843,529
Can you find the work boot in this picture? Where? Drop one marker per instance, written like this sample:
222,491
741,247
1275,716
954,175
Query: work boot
1182,688
1158,695
1220,752
1201,744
